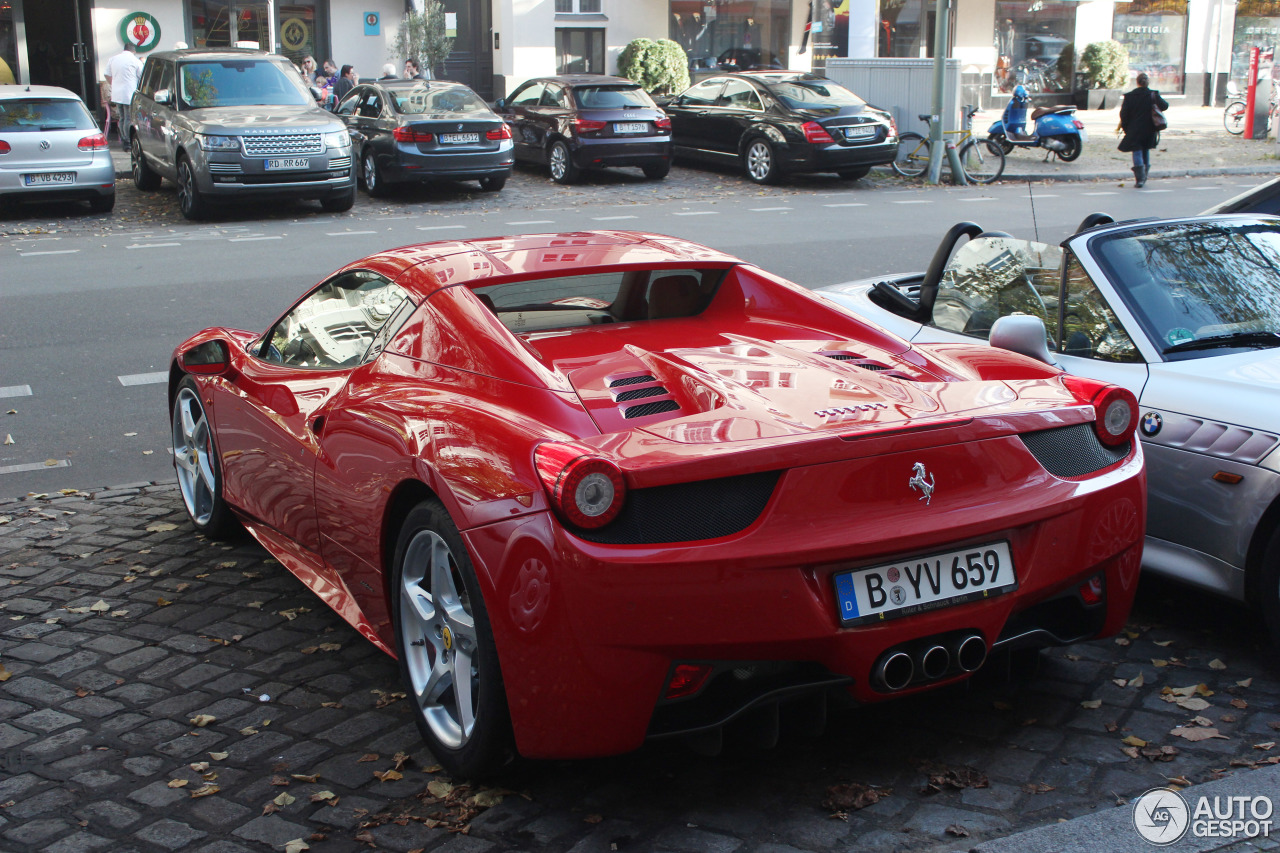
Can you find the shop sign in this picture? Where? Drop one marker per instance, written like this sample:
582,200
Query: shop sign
372,24
141,30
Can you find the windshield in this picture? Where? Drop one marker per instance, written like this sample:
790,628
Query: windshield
424,99
241,83
808,94
994,277
1198,287
612,97
32,115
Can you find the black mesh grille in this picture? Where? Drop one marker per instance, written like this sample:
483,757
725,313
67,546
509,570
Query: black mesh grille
687,512
1072,451
842,356
641,393
650,408
631,380
871,365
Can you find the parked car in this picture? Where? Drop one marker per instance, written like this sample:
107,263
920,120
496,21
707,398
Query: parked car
595,487
406,131
1185,313
587,121
236,125
51,148
778,122
1264,198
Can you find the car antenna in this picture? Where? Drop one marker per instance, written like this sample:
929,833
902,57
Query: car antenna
1034,223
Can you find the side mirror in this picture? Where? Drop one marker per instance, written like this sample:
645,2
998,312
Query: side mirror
500,104
164,96
1024,334
207,359
316,93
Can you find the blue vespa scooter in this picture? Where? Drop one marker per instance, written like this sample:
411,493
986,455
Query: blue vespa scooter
1054,128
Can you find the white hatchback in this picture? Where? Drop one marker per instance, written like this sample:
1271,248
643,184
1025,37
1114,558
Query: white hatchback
51,148
1185,313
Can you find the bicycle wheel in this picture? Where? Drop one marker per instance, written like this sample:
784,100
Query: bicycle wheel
913,155
1233,117
982,160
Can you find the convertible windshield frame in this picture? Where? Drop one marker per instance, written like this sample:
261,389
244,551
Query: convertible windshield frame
1193,280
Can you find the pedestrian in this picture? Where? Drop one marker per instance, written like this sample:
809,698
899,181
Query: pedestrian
326,94
412,70
309,67
123,72
346,82
389,72
1139,127
331,71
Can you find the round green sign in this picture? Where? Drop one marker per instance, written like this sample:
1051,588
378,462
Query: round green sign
141,30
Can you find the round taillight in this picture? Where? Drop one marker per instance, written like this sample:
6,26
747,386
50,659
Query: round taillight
587,491
1117,415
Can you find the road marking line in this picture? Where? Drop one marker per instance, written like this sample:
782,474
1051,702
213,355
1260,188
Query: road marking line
697,213
253,239
428,228
533,222
1202,188
611,218
350,233
767,209
23,254
979,198
1148,192
144,378
152,245
847,204
915,201
1047,195
15,391
1101,193
32,466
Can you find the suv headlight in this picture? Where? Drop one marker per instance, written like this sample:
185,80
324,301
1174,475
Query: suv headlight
337,139
219,143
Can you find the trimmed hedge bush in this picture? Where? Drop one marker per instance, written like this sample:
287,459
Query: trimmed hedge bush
1105,65
658,66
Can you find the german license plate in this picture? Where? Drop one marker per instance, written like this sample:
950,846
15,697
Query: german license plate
49,178
861,132
630,127
289,163
459,138
917,584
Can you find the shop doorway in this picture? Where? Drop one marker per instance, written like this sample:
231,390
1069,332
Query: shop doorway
59,47
224,23
471,60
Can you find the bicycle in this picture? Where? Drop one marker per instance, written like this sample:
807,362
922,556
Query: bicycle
1234,114
981,160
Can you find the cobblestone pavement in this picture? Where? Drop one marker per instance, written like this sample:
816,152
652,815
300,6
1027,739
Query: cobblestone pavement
165,693
1196,143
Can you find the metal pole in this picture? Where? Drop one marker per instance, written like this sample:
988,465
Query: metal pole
936,153
1217,49
78,54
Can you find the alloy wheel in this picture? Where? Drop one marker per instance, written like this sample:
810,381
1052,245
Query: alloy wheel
559,162
439,638
370,173
760,161
192,457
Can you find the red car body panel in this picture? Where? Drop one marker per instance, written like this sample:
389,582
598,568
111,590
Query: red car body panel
314,462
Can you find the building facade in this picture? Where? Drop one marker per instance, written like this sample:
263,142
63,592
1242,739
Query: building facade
500,43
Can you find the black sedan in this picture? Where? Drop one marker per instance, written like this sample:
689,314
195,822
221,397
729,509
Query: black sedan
419,130
581,121
777,122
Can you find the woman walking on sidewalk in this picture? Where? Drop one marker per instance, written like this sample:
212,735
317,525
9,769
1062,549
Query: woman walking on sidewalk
1139,128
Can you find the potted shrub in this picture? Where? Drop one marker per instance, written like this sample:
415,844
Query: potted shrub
660,67
1104,67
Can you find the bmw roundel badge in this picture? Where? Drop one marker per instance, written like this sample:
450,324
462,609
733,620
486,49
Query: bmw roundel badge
1151,423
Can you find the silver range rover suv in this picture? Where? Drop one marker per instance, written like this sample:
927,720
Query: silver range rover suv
233,125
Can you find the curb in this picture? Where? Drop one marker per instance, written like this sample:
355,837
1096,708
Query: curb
1127,175
1112,831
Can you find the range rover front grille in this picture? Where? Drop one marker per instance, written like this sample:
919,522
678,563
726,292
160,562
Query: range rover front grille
283,144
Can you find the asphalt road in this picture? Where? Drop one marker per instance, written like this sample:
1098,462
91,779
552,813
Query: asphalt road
93,306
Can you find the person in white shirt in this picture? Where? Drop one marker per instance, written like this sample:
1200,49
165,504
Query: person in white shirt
124,70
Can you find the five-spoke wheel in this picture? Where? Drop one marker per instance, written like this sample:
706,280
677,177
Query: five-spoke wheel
195,458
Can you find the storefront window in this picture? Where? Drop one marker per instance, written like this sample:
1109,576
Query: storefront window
1034,45
1257,25
8,45
1155,34
906,28
225,23
300,30
729,35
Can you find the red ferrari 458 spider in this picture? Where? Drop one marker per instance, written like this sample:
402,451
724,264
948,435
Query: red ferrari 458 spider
595,487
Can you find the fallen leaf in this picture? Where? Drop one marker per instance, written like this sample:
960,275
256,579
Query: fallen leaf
1217,664
161,527
5,674
297,845
392,776
1037,788
178,783
1195,735
1248,682
202,720
957,830
400,758
1164,644
854,796
486,799
284,799
1136,682
99,606
1191,703
1238,703
323,795
368,756
437,787
957,778
1091,703
163,602
1159,753
219,756
1265,746
199,766
1119,682
1131,740
1122,641
205,791
248,730
593,818
1202,721
279,780
302,778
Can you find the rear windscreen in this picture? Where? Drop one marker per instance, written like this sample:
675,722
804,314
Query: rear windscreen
241,83
612,97
428,100
806,94
44,114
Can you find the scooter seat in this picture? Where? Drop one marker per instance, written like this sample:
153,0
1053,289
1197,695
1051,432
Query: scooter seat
1044,111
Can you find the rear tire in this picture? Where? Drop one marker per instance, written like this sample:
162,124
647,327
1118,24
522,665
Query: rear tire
447,658
560,163
1074,147
657,171
913,155
854,174
1233,117
493,183
760,162
143,177
102,203
192,204
372,175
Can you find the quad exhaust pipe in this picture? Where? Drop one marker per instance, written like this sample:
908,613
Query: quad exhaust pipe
929,660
